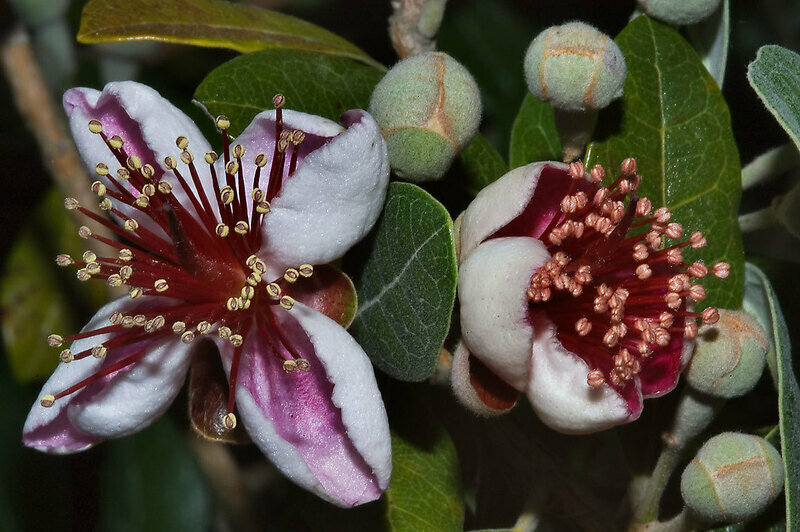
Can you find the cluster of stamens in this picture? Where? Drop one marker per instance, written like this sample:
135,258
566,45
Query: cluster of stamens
614,298
199,250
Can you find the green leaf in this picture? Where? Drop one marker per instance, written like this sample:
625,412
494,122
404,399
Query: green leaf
677,125
775,76
534,136
425,495
405,276
314,83
152,482
208,23
36,297
481,164
711,39
788,388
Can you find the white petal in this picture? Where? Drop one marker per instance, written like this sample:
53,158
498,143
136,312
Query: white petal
462,385
492,291
498,204
559,393
332,200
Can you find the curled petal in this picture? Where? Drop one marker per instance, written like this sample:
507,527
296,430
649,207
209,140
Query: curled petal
513,195
492,285
119,404
325,428
560,395
148,123
478,388
332,200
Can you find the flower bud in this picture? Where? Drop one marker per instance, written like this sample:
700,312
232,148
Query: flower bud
428,107
679,12
730,355
575,67
733,477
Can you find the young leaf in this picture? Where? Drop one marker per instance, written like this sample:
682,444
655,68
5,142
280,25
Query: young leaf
481,164
405,275
775,76
314,83
677,125
534,136
208,23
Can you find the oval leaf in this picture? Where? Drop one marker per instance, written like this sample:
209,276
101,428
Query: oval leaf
314,83
677,125
775,76
534,136
405,276
208,23
481,164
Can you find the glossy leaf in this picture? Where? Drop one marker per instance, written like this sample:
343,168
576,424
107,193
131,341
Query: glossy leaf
314,83
37,297
711,39
775,76
425,495
152,482
405,276
208,23
788,389
534,136
481,164
677,125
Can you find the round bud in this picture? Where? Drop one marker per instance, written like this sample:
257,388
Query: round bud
575,67
679,12
428,107
729,356
733,477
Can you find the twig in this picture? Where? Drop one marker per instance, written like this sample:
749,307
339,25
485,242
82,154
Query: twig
414,24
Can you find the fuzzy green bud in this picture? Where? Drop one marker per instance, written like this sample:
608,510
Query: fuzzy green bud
733,477
679,12
428,107
729,356
575,67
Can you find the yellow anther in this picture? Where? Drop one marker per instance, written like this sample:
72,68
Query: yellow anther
142,201
89,256
248,292
133,162
178,327
164,186
71,204
241,227
250,261
259,266
274,290
115,318
99,351
95,126
260,160
203,327
148,171
101,169
170,163
236,339
291,275
64,260
66,356
114,280
222,230
298,136
187,337
232,304
83,275
127,322
187,157
105,204
253,278
229,420
238,151
134,292
116,142
257,194
232,167
182,142
161,285
158,322
223,123
93,268
47,400
149,189
240,301
211,157
224,332
140,320
55,340
289,366
131,224
302,364
98,188
287,302
226,195
246,304
262,207
123,174
306,270
125,254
